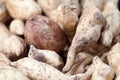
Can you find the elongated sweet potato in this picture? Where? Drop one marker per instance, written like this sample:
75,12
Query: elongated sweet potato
42,71
46,56
87,34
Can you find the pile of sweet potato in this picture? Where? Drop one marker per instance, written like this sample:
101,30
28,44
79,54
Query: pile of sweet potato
59,40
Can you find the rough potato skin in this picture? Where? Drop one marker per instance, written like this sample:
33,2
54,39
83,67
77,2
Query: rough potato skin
41,71
87,34
67,18
44,33
46,56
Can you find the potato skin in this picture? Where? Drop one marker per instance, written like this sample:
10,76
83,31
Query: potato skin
22,9
44,33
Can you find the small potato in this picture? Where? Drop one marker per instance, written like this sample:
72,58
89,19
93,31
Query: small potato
47,56
22,9
44,33
67,18
17,27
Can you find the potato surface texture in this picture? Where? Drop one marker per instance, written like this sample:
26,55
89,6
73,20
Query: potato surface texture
44,33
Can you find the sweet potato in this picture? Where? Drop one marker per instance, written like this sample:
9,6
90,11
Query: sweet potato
23,10
42,71
87,35
17,27
114,59
101,70
47,56
112,28
67,18
12,46
44,33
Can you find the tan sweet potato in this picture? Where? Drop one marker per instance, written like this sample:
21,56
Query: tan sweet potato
12,46
17,27
47,56
67,18
44,33
87,35
23,10
113,26
101,71
42,71
114,59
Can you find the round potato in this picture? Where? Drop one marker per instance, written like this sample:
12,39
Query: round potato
17,27
44,33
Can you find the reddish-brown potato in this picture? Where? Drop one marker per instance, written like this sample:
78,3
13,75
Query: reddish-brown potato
44,33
